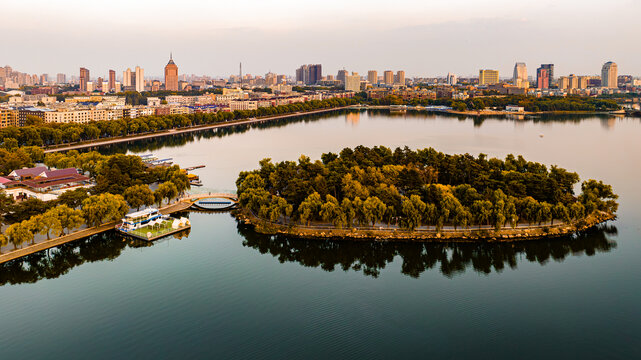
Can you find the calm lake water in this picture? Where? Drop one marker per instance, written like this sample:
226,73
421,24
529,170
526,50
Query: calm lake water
224,291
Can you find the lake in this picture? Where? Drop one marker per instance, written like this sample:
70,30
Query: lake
224,291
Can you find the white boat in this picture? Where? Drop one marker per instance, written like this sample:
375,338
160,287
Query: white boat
141,219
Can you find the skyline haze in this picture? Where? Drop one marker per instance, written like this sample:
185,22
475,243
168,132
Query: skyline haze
424,38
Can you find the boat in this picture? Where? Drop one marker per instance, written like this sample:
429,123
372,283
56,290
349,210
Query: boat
195,183
149,224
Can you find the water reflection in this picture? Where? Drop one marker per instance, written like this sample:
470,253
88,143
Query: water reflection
178,140
450,259
351,116
53,263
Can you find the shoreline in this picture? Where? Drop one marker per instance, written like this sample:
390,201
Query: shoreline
471,234
121,139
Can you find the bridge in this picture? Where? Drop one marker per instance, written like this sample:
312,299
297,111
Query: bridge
192,201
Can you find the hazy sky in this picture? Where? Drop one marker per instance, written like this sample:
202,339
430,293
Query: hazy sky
423,37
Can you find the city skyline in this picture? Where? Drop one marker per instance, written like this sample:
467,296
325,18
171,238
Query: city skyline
494,34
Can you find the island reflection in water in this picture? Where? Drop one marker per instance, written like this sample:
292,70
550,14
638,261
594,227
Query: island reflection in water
450,259
368,257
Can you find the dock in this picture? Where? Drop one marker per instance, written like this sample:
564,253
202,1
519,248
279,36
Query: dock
194,167
182,204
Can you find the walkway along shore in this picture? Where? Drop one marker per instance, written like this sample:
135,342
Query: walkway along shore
181,204
121,139
383,233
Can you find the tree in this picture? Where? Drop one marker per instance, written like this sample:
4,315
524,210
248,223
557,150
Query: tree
310,208
559,211
412,209
19,233
348,209
577,211
544,212
50,221
72,198
374,210
68,217
481,211
166,190
6,204
4,241
331,211
138,195
36,226
102,208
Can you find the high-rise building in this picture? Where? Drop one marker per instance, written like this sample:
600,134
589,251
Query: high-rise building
98,85
84,78
451,79
400,77
488,77
550,69
388,77
609,75
542,78
112,81
61,79
519,79
372,77
309,74
171,75
140,79
353,82
342,74
127,78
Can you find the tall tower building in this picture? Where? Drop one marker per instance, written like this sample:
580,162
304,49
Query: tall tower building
451,79
550,69
542,78
519,79
400,77
140,79
609,75
126,78
342,74
61,78
84,78
372,77
171,75
488,77
112,81
353,82
388,77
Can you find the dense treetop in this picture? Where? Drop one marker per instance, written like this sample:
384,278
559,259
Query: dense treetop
369,185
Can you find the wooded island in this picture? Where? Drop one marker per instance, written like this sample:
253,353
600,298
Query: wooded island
419,195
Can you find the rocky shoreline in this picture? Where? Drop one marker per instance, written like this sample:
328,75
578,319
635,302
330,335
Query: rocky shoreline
388,234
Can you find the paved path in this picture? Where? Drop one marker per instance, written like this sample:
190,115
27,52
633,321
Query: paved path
186,130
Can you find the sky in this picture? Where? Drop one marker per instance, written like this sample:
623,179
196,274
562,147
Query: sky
422,37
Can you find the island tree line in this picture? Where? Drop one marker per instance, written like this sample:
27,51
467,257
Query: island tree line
372,186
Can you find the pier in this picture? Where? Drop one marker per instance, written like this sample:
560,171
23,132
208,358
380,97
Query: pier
182,204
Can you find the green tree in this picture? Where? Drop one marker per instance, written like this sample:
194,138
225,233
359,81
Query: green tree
559,211
374,210
166,190
19,233
4,241
51,222
481,211
73,198
102,208
69,218
331,211
310,208
138,195
413,210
